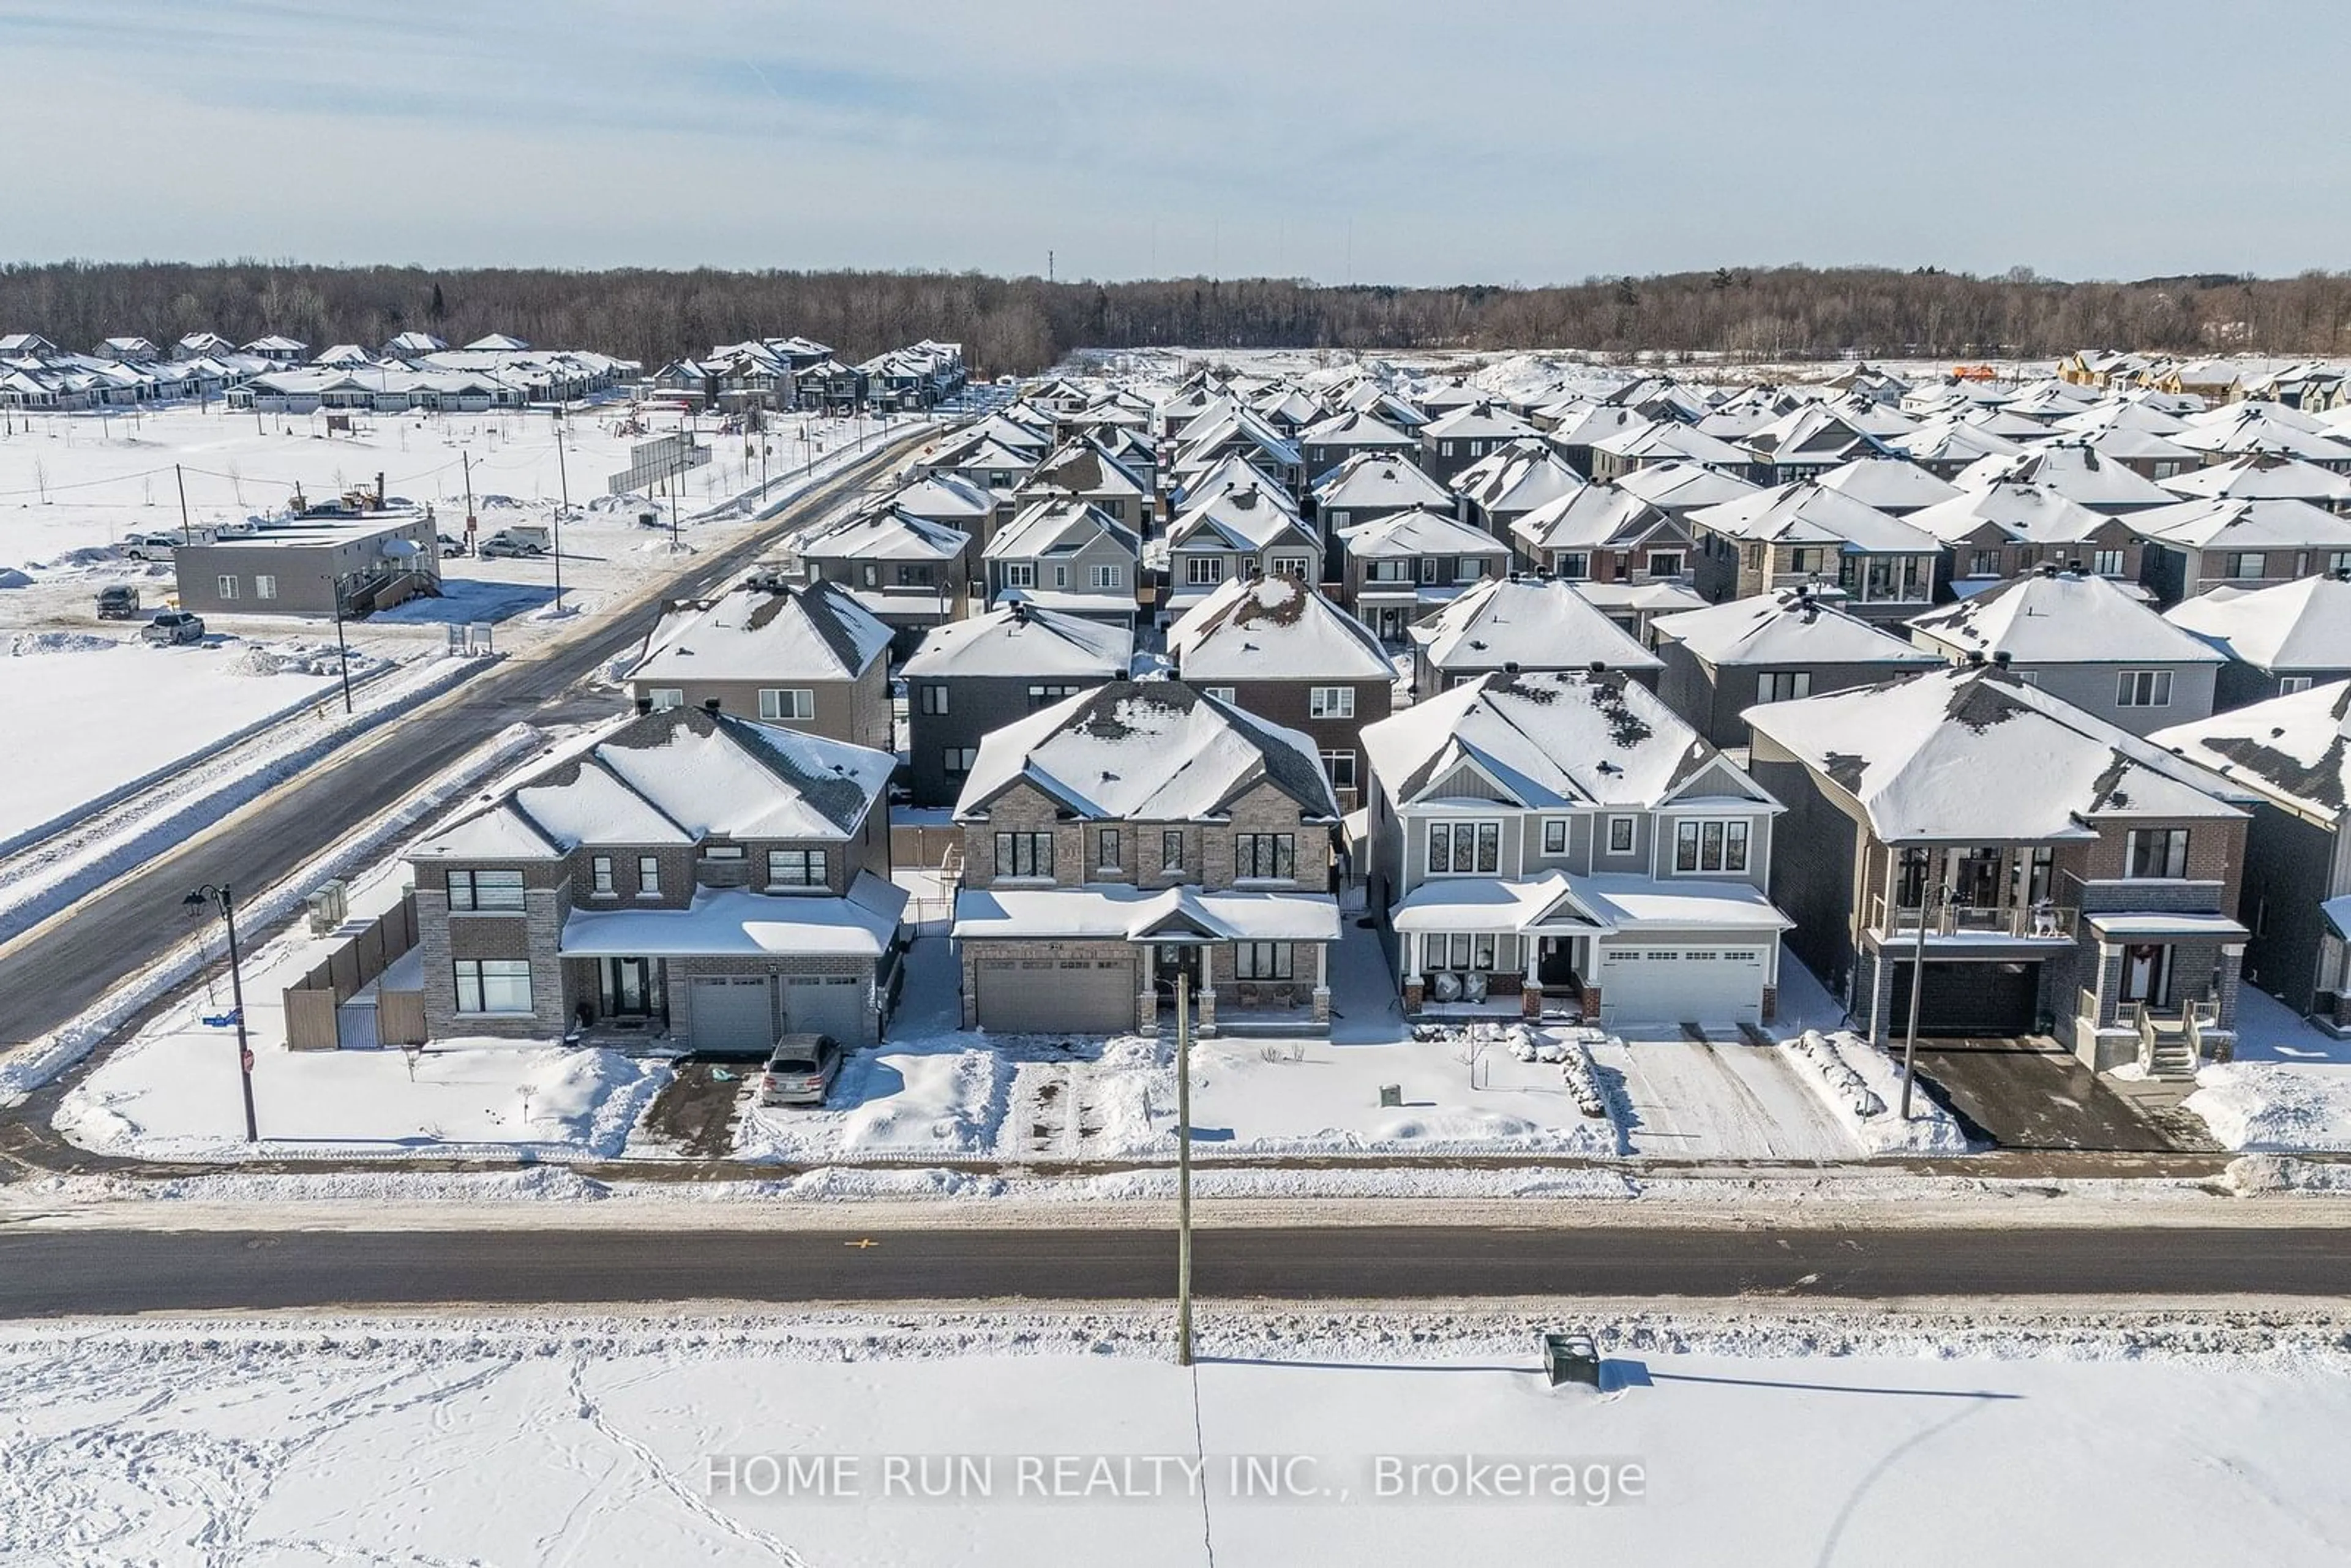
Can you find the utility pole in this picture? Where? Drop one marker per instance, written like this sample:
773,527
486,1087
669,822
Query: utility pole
187,533
342,652
563,478
467,458
1917,984
221,897
1183,1170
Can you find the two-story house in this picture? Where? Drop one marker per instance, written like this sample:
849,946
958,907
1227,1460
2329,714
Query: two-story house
2075,470
1563,839
684,875
2279,639
1658,441
2264,476
1799,534
974,677
1727,658
2293,753
1512,480
1081,468
1404,565
951,501
1236,533
1805,444
1138,811
1330,444
808,656
2194,547
909,573
1453,441
2084,639
1276,647
1603,533
1065,555
1516,623
1370,486
2007,528
2060,875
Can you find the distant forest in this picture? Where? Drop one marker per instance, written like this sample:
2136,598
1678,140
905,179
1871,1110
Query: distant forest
1024,324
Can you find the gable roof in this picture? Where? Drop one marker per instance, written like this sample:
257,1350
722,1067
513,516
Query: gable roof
1024,640
1419,531
2303,626
1790,627
2073,469
1597,517
2295,749
1061,525
1803,513
2061,617
1149,749
1239,518
1536,623
1680,487
1378,479
886,533
764,630
1273,628
2264,475
1518,477
1892,484
2026,513
1922,754
2245,525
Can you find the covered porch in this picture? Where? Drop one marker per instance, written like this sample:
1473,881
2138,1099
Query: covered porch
2164,992
1491,948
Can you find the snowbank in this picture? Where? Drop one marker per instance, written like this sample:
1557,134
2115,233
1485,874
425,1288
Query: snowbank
1862,1085
2277,1106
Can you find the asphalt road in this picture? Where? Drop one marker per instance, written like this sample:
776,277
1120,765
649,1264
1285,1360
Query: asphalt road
57,970
52,1272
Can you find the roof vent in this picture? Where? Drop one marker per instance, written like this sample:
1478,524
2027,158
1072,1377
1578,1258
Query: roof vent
1510,667
644,704
2000,658
1975,658
1599,666
710,704
2074,566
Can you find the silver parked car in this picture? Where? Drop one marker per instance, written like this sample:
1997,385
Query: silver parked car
174,626
801,1069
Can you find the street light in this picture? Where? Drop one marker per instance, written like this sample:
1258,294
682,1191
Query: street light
221,896
1928,897
1197,942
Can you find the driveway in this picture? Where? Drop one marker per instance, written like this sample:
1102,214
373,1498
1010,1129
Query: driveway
2029,1093
1719,1100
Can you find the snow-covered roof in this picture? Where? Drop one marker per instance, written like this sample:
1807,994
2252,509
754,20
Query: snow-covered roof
2299,626
1640,598
945,498
1417,532
1372,479
1022,640
1236,518
886,533
1082,467
1156,750
2264,475
1968,754
1684,487
1480,420
1892,485
1356,428
2295,749
733,923
2076,471
1518,477
1803,513
1116,912
1554,739
1062,526
1788,627
2061,618
2262,427
1670,441
2245,525
1598,517
2032,513
758,632
1951,439
1273,628
1536,623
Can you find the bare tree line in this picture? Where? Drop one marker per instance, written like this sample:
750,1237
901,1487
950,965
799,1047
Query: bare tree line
1026,323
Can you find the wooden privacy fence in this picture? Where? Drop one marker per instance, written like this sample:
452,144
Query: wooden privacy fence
313,1004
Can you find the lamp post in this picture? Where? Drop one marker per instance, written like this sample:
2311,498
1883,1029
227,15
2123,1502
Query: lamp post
1927,897
1182,1138
563,478
220,897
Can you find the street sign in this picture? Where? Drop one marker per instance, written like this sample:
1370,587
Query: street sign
651,461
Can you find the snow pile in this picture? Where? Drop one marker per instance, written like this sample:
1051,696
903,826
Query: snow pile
25,644
1863,1086
1573,1060
2269,1176
11,577
2270,1105
252,659
588,1099
918,1099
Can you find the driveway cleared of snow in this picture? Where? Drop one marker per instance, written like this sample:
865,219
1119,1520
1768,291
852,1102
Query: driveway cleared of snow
1718,1100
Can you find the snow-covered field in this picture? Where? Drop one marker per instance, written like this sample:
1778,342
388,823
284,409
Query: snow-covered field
624,1442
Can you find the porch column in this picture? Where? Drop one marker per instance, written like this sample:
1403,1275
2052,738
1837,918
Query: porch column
1531,998
1415,986
1146,1000
1322,999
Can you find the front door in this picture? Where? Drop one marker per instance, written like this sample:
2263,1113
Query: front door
2146,973
1173,960
633,986
1555,965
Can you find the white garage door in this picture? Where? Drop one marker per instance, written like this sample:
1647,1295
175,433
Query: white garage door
1671,984
833,1005
732,1014
1057,995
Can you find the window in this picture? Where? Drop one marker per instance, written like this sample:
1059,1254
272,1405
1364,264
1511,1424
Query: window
1060,575
1202,569
959,758
1620,835
1265,857
1554,839
1429,569
1339,767
1261,960
2338,560
1706,845
1024,855
1469,569
1782,685
1984,563
2142,688
1664,564
1019,573
665,697
1338,519
497,891
2106,562
648,876
1803,559
1221,693
1300,566
599,876
911,575
1470,950
1109,577
722,851
224,586
1465,849
1445,449
873,574
493,985
1571,563
1171,849
787,703
1330,702
2246,563
1044,695
932,698
265,586
795,868
1106,850
2151,853
1392,570
2289,685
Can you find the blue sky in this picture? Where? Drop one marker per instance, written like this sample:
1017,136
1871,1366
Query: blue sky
1469,142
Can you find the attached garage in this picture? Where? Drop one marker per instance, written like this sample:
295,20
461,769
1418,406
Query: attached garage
1057,995
827,1004
731,1014
1670,983
1962,998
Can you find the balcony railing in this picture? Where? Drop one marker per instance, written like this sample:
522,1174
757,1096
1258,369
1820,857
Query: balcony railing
2026,922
